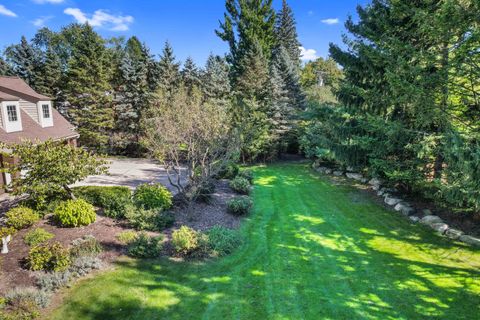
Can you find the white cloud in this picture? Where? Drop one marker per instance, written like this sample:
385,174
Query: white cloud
48,1
307,54
331,21
40,22
101,18
4,11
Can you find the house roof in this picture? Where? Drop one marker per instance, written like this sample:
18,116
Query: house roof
16,87
32,131
7,97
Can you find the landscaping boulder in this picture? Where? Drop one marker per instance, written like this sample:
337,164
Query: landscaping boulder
453,233
404,208
322,169
470,240
392,201
354,176
328,171
431,219
375,183
440,227
364,180
427,212
414,219
380,192
338,173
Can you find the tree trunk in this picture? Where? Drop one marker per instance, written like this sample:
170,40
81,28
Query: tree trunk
69,192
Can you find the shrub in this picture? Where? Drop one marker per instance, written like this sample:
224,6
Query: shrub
84,265
239,205
75,213
148,219
21,217
204,191
85,246
38,297
37,236
247,174
113,200
126,237
228,171
20,309
145,246
240,185
185,240
48,257
52,281
152,196
223,241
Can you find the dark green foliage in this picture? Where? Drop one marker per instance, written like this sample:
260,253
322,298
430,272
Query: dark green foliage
204,191
25,61
85,246
113,199
286,33
21,217
145,246
37,236
223,241
148,219
247,174
152,196
169,69
48,257
229,170
240,206
75,213
240,185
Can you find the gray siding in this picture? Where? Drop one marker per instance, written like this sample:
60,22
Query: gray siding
31,109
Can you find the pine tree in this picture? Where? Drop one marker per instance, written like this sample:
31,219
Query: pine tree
215,78
25,61
190,75
51,75
5,69
286,33
290,74
88,88
169,69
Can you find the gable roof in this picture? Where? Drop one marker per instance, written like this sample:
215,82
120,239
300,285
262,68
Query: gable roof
62,129
14,86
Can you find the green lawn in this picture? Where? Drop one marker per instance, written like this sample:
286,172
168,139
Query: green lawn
314,251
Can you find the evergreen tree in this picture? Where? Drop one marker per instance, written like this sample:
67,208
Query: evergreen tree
51,75
190,75
88,88
25,61
286,33
215,78
5,69
169,69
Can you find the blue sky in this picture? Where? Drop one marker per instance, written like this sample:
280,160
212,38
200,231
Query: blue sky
188,24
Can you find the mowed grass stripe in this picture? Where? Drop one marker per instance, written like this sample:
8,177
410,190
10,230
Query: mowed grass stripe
314,250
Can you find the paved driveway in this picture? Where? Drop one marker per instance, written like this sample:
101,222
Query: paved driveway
130,172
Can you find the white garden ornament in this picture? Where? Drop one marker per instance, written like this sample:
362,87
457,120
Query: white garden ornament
6,235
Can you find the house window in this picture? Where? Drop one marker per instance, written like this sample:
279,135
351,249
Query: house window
46,111
12,113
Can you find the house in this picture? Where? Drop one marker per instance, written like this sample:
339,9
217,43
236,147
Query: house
28,115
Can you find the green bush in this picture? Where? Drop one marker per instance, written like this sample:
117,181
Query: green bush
148,219
48,257
240,205
85,246
223,241
145,246
240,185
113,200
75,213
185,240
37,236
21,217
152,196
247,174
127,237
228,171
205,191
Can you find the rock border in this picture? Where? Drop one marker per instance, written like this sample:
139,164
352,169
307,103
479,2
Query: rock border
391,198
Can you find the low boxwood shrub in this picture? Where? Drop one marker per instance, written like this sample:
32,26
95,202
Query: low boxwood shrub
75,213
113,199
240,185
247,174
229,170
37,236
240,205
48,257
21,217
148,219
222,241
126,237
185,240
145,246
152,196
85,246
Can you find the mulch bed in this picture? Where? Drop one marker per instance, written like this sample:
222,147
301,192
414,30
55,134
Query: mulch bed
205,216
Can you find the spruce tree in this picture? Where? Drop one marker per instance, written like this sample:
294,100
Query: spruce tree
89,90
5,69
190,75
25,61
286,33
51,75
215,78
168,69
